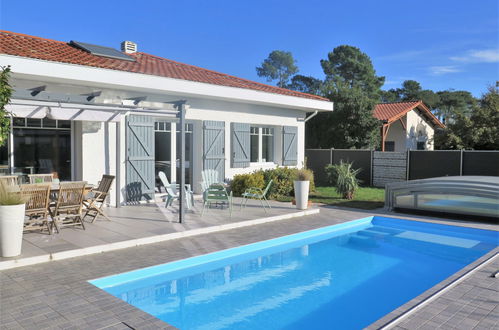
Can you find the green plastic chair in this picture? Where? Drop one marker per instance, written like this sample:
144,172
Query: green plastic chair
217,194
256,193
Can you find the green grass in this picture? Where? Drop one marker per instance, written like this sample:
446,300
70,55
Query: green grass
366,198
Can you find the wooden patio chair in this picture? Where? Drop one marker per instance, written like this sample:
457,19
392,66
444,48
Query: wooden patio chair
9,180
209,177
217,194
95,199
40,178
256,193
67,210
37,197
172,191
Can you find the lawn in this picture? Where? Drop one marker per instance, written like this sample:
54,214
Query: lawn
365,198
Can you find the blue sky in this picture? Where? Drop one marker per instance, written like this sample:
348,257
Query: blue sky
442,44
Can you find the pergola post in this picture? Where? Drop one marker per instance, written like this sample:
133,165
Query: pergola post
182,203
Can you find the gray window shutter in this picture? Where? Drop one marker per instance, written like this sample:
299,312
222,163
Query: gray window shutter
140,176
214,146
290,145
240,142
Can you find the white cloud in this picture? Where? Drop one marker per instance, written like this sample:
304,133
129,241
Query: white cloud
479,56
443,69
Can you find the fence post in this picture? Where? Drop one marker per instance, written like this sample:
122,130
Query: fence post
461,164
407,164
371,167
331,156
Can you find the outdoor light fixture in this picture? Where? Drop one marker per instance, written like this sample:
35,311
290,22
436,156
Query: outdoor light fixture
37,90
93,95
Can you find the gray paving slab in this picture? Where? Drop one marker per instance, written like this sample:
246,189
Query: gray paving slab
57,294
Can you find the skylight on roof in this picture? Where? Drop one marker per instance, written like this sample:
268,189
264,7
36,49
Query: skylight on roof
101,51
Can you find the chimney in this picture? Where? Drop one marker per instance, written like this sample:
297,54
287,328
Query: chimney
128,47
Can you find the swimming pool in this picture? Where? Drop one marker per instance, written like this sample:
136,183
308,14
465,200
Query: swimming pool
347,276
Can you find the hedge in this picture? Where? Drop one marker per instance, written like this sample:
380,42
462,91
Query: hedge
282,184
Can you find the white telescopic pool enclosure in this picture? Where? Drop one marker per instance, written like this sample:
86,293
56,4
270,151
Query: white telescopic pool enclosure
468,195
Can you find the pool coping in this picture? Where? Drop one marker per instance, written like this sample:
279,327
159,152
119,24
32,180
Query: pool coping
388,321
21,262
396,316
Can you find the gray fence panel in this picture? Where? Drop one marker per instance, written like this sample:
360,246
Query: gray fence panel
389,167
430,164
317,159
481,163
360,159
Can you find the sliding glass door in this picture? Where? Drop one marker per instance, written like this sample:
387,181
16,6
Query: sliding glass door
40,146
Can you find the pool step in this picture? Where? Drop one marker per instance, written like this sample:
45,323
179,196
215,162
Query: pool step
363,241
372,233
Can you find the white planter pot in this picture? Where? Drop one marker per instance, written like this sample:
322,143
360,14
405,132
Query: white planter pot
301,194
11,229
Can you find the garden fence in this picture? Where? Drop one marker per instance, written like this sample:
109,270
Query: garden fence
379,168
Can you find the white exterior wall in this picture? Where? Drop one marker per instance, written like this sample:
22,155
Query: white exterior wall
418,129
229,112
397,134
94,149
95,153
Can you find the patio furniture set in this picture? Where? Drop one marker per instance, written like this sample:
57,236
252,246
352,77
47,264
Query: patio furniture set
215,192
53,205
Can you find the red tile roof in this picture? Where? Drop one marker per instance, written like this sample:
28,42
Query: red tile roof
391,112
18,44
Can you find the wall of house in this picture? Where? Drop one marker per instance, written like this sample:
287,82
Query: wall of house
95,153
419,130
228,112
397,134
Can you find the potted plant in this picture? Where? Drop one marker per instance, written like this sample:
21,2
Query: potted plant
11,222
302,186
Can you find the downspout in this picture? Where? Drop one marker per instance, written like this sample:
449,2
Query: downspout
311,116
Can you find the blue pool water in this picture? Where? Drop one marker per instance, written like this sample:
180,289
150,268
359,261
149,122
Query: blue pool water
344,276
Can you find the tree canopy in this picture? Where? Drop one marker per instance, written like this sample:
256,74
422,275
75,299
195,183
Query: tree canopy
280,66
351,83
306,84
479,130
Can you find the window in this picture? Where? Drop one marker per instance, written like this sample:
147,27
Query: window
162,147
421,145
262,144
389,146
267,144
188,153
40,146
254,144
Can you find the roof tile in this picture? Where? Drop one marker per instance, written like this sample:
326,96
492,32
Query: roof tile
58,51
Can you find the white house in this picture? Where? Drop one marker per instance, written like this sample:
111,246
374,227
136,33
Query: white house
406,125
83,110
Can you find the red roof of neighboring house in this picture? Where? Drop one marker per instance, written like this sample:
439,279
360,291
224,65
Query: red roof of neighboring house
18,44
391,112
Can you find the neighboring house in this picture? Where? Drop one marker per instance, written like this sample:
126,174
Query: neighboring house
83,110
406,125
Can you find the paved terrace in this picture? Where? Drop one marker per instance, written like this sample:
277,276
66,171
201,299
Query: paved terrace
140,224
56,295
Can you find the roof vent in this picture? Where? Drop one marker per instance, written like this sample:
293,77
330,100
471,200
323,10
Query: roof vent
128,47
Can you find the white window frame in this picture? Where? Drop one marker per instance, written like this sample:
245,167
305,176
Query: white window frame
260,144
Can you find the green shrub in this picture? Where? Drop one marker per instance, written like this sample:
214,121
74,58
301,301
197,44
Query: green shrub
282,185
241,182
344,178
